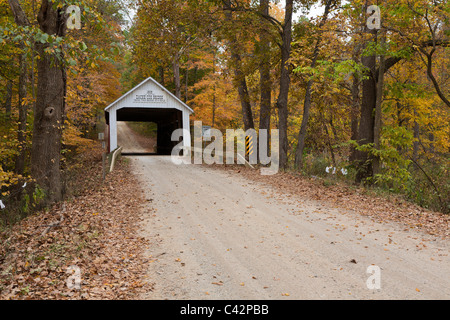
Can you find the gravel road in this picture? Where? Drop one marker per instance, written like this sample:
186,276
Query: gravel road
215,235
131,142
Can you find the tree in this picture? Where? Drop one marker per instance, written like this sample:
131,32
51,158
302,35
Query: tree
51,87
264,69
285,82
307,102
165,31
425,36
239,76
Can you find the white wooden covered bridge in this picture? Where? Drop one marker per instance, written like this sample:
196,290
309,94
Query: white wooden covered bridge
150,102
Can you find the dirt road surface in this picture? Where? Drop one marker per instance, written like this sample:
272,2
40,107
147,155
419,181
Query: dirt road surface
132,142
215,235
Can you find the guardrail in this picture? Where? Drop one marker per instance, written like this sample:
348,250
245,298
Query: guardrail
116,153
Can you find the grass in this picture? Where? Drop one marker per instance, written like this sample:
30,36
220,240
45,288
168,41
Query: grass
147,129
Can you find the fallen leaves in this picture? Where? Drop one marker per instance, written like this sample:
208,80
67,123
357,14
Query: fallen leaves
352,198
95,232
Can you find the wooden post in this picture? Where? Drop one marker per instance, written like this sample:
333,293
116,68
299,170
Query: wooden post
101,137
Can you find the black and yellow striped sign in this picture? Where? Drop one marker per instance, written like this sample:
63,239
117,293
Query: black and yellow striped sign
249,145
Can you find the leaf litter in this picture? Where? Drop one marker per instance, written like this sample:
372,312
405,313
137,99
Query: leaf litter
352,198
96,231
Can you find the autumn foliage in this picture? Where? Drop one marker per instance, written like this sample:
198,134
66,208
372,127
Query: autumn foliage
371,102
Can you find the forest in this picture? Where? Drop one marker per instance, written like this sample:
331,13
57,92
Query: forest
359,90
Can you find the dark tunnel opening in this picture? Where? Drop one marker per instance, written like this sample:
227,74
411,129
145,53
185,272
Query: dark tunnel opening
167,121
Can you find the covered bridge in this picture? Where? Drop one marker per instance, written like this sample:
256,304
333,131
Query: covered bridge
150,102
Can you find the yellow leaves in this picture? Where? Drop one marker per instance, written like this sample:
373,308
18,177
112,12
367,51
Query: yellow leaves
8,179
72,137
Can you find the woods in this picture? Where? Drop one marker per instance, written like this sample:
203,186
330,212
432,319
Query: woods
54,87
342,92
355,95
372,102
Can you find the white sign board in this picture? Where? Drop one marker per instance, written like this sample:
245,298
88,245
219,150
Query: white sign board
206,132
149,97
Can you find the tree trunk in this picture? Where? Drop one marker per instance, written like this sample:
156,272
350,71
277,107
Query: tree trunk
329,140
8,98
307,102
415,155
23,115
176,77
431,76
285,82
264,69
50,105
213,123
378,111
354,115
304,126
245,99
367,120
239,76
186,85
161,75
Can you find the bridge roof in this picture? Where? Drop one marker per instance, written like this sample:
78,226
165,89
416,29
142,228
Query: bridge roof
149,94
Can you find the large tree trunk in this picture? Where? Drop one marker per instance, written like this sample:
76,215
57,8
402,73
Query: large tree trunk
285,83
50,105
367,119
245,98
